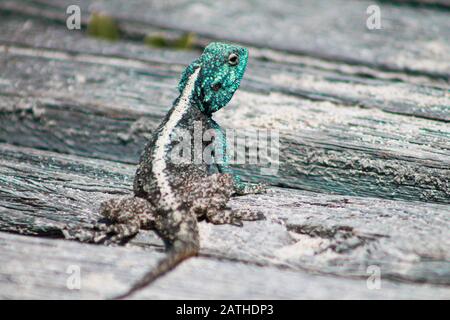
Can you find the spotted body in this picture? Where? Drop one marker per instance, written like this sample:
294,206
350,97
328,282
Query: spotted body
169,196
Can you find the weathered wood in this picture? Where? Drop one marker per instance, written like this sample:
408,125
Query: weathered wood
333,31
41,192
76,112
104,106
33,268
306,77
308,231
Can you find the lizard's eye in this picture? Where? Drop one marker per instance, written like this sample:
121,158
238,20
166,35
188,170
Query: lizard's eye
216,87
233,59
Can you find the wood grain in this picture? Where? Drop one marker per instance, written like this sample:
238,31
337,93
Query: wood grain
364,162
106,107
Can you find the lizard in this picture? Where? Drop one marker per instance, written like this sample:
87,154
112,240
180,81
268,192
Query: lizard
171,197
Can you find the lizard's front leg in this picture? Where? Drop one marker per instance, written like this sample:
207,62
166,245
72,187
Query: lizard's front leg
222,161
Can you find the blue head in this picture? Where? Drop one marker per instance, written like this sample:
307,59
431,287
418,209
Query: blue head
222,68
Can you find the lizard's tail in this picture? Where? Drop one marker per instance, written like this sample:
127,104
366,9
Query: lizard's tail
185,246
166,264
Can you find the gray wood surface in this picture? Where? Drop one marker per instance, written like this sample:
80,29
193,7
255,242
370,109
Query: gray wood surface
105,107
364,149
333,31
304,231
34,268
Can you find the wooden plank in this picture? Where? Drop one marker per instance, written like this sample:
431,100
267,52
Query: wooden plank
106,108
35,268
43,192
306,77
333,31
354,125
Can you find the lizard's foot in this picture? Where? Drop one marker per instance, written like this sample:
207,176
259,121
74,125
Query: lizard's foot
242,188
226,216
234,217
101,233
82,234
116,233
125,217
249,215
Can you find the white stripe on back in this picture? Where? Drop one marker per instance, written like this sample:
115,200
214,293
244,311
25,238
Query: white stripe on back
168,199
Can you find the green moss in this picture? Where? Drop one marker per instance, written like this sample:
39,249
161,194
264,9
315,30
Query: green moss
184,42
157,41
103,26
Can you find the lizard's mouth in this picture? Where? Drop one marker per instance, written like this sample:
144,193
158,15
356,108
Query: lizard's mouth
205,105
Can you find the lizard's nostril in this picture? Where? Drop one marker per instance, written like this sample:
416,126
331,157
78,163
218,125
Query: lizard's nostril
216,86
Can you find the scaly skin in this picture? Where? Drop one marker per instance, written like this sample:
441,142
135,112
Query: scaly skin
170,197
